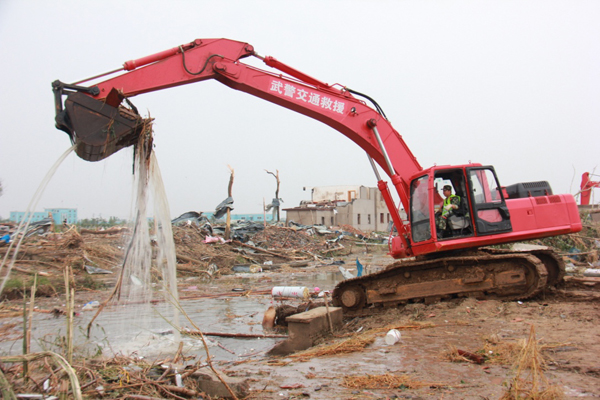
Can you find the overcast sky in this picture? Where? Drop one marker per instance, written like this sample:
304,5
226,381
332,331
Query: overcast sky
514,84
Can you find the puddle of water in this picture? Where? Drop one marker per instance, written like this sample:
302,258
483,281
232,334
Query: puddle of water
148,334
324,280
321,279
141,329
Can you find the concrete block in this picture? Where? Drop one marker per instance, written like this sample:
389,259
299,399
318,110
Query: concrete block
211,385
304,328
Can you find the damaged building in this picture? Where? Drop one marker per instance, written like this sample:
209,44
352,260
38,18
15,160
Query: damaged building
59,215
358,206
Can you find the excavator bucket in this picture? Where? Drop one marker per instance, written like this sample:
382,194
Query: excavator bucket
99,128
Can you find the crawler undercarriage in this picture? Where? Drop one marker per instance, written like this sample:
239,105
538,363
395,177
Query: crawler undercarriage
486,274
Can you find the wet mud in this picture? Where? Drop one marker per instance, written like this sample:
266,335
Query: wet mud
567,332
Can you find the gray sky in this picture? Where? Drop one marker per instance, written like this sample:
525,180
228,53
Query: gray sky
514,84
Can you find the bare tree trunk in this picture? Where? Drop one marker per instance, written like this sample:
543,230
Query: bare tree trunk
264,214
229,194
276,207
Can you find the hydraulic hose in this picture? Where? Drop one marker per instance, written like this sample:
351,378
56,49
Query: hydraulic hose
377,107
203,67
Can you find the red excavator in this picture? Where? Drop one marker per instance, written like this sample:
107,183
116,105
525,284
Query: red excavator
437,260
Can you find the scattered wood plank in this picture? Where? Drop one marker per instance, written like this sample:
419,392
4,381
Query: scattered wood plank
477,359
110,231
235,335
190,259
580,295
26,271
275,254
293,264
591,280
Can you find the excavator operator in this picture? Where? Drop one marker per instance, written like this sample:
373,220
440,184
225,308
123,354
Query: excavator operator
451,204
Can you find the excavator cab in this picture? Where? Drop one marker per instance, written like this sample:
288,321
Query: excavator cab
481,205
97,128
457,221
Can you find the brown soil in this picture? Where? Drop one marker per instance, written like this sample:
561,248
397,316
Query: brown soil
432,359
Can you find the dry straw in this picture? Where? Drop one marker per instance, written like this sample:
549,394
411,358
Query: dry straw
529,381
353,344
385,381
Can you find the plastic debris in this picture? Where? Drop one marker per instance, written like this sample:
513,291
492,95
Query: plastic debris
253,268
178,380
359,268
392,337
300,292
213,239
95,270
90,305
5,238
345,273
135,280
592,272
573,253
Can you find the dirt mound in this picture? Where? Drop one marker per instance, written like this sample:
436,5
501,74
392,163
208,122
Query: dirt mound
281,238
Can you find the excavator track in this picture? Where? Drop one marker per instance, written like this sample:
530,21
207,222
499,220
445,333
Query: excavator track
482,274
554,264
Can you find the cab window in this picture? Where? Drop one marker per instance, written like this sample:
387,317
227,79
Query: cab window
419,209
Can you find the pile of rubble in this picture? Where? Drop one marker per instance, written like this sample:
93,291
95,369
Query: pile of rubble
198,249
282,238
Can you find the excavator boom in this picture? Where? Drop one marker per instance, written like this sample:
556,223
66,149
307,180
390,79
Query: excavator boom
99,125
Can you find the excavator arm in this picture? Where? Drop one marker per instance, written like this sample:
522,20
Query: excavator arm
99,125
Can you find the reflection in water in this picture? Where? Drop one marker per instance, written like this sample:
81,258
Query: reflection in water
146,333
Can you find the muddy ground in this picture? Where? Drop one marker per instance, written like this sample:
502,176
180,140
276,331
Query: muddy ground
567,333
565,324
437,356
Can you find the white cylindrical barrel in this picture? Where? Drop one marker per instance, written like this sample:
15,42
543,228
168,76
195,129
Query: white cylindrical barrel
299,292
